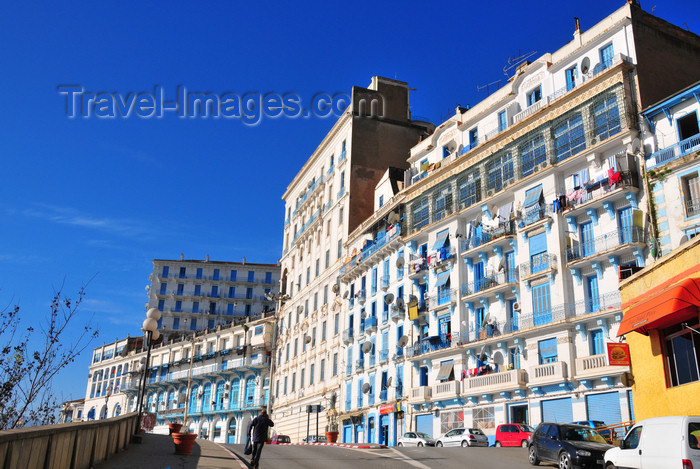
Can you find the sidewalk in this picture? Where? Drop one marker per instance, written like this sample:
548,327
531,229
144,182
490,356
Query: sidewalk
158,452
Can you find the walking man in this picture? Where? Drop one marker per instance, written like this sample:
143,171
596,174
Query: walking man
260,426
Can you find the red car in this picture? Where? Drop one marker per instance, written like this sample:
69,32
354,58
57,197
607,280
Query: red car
280,440
513,434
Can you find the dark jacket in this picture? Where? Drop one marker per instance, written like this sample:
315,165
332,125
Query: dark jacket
260,426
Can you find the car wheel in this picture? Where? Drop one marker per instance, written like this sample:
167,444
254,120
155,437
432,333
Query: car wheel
498,444
465,443
532,456
439,444
564,460
420,443
523,444
610,466
400,444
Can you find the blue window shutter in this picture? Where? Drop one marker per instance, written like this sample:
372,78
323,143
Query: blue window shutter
538,243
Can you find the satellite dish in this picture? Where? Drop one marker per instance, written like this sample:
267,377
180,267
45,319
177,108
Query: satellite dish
403,341
345,295
482,354
494,211
393,218
400,261
363,314
307,339
388,383
365,388
684,239
585,65
335,288
394,308
389,298
412,299
366,347
399,303
300,309
362,300
502,264
488,319
311,183
516,306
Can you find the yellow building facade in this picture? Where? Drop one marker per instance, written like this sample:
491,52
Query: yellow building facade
660,323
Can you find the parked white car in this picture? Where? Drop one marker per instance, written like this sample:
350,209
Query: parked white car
658,443
415,439
463,437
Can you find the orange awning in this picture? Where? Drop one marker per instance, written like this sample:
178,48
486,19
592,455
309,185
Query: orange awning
671,305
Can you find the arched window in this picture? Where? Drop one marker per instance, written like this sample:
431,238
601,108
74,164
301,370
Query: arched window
91,414
118,410
235,389
220,395
206,400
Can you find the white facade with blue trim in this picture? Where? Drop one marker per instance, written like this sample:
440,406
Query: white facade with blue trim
672,143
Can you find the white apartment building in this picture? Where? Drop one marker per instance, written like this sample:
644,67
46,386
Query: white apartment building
229,370
330,196
521,215
672,143
194,295
373,279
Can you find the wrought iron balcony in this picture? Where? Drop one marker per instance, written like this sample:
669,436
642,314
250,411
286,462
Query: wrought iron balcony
487,236
538,263
490,281
606,242
370,324
429,344
348,336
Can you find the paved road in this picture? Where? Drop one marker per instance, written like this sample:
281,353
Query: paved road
323,457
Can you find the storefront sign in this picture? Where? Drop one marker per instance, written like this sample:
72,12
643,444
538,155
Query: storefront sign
386,409
618,354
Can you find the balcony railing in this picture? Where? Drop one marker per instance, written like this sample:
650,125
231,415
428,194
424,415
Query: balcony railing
692,208
429,344
377,244
534,214
584,196
503,229
529,111
446,390
548,373
370,324
347,336
595,365
538,263
360,364
599,244
490,280
341,192
421,394
384,282
495,382
675,151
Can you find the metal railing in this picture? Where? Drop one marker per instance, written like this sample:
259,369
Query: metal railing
534,214
503,229
675,151
378,244
631,234
489,280
627,178
538,263
428,345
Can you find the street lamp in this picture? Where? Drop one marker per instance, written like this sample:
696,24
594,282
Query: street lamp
280,299
189,381
150,327
107,396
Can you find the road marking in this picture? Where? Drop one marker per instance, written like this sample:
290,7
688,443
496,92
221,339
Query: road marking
407,459
235,457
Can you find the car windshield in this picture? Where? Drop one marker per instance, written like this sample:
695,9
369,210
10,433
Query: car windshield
283,439
526,428
581,434
422,435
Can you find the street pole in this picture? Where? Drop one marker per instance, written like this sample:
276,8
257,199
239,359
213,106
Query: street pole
275,332
189,383
149,334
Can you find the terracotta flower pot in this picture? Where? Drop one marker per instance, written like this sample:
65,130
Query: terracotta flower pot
174,427
332,437
184,442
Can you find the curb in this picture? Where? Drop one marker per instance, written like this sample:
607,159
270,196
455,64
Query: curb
234,455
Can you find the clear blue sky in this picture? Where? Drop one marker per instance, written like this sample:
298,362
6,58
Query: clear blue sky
89,197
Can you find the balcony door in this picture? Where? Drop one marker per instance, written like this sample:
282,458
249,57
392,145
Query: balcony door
625,224
478,276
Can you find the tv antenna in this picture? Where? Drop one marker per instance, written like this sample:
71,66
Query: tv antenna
515,62
488,86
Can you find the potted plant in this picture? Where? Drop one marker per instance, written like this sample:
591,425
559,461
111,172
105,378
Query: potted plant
184,441
174,427
332,433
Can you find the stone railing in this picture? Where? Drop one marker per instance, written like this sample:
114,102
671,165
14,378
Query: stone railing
548,373
75,445
495,382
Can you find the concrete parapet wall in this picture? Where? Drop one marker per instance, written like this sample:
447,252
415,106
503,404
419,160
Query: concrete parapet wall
77,445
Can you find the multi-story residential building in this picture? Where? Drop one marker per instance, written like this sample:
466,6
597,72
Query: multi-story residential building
374,278
672,143
520,212
194,295
71,410
229,370
330,196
